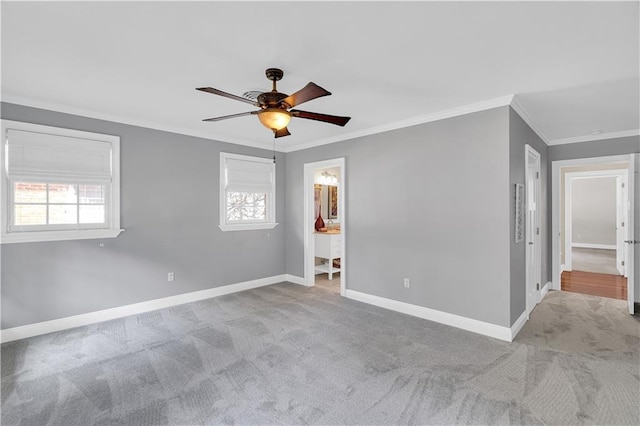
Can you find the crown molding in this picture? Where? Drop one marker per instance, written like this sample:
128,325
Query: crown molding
509,100
65,109
518,108
441,115
602,136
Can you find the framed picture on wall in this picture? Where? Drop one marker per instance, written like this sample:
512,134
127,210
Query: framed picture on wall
519,211
333,202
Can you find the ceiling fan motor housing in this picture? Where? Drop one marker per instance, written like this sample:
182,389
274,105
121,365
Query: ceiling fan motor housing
272,100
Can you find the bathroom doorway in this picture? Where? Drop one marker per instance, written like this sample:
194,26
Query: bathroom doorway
324,227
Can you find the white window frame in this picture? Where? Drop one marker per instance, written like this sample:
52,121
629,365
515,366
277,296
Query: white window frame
270,221
16,234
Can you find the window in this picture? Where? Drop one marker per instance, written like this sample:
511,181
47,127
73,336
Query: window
247,192
58,184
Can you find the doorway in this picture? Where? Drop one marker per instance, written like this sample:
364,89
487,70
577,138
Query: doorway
324,249
595,218
592,219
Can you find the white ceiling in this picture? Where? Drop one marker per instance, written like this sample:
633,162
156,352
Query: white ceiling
573,66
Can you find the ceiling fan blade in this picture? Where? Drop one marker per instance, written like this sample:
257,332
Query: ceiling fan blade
226,95
333,119
224,117
307,93
282,132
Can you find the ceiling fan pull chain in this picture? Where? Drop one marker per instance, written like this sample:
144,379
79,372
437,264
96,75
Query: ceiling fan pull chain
274,147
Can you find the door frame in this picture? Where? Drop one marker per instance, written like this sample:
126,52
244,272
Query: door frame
555,215
536,238
309,219
568,205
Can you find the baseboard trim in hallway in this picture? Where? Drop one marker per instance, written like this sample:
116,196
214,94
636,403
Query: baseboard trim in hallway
30,330
545,290
458,321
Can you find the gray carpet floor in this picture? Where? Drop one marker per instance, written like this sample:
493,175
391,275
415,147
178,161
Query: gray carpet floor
286,354
601,261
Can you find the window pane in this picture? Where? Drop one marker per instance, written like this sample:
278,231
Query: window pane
91,194
92,214
28,192
62,193
30,214
63,214
246,206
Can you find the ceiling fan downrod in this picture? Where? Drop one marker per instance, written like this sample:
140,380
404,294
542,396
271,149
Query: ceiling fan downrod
274,74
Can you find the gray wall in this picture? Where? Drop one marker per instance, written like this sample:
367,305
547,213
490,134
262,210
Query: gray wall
169,208
520,134
605,148
602,148
593,211
428,202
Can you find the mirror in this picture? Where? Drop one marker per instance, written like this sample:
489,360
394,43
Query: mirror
326,202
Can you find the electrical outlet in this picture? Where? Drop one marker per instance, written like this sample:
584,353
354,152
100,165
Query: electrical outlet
170,276
407,283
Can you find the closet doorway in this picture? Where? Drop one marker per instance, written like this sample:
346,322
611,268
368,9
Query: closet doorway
324,227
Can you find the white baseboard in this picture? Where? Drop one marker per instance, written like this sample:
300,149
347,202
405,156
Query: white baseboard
30,330
521,321
295,280
545,290
562,268
469,324
517,326
594,246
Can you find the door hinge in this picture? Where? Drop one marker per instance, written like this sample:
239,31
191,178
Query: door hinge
537,175
538,231
622,262
537,286
621,223
622,184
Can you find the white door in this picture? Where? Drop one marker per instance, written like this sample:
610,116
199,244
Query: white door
632,238
621,221
533,232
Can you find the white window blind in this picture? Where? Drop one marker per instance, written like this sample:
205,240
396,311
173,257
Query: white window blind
249,176
247,192
34,155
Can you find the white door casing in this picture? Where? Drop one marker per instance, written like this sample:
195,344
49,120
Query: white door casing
533,232
568,264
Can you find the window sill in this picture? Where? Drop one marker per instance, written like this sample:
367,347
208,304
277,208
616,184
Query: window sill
247,226
41,236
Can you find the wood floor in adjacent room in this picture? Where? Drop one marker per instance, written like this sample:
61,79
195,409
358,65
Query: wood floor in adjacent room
603,285
595,273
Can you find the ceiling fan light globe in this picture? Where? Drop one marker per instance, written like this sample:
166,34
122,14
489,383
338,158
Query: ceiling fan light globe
274,118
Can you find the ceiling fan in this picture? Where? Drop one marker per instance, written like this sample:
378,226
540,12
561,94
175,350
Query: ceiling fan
275,107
